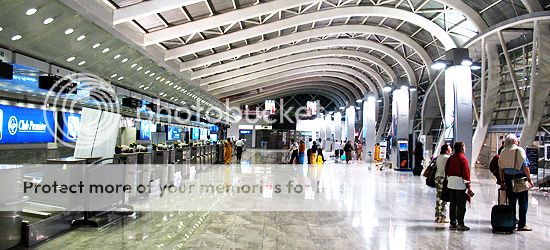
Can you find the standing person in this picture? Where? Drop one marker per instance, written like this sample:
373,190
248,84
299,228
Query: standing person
240,146
348,148
294,148
418,158
457,170
308,148
313,153
321,147
512,166
501,147
227,151
440,162
301,151
359,151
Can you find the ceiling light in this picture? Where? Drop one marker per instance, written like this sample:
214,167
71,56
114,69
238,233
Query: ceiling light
387,89
176,100
120,78
467,62
124,60
81,63
141,86
158,78
70,59
342,108
140,68
439,65
412,89
117,56
96,45
80,38
133,65
114,75
165,95
147,72
146,88
161,93
475,66
371,99
404,87
152,74
48,20
69,31
170,84
359,100
1,28
379,101
105,50
16,37
31,12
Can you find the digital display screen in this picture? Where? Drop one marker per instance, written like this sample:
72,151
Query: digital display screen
145,130
245,132
204,134
195,134
213,137
174,133
71,125
26,125
403,146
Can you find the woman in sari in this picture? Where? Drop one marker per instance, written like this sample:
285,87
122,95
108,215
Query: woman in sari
227,151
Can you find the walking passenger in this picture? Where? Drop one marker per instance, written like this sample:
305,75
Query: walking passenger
294,148
301,152
348,148
320,148
512,163
227,151
359,151
240,146
441,206
457,170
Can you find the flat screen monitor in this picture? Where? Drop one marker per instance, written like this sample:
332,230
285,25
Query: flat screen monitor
213,137
174,133
146,128
71,125
403,146
195,134
26,125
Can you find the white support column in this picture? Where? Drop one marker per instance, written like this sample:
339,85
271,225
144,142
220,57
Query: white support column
350,123
400,122
540,83
458,100
369,127
489,99
338,126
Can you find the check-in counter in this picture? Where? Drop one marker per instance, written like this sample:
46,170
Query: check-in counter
160,156
171,156
187,153
132,173
179,154
194,152
144,158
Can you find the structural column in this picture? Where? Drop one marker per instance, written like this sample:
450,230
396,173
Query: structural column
369,127
400,124
350,123
338,126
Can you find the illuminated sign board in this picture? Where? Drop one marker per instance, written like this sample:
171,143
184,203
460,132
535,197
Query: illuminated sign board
145,130
26,125
70,127
195,133
174,133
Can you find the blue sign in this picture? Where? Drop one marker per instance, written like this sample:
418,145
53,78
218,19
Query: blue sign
174,133
246,132
145,130
195,133
71,125
214,129
26,125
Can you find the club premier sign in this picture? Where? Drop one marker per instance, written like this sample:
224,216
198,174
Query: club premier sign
25,125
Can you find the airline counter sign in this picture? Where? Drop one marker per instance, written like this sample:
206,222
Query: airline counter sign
25,125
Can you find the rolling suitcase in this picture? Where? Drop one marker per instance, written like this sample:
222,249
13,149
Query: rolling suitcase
503,218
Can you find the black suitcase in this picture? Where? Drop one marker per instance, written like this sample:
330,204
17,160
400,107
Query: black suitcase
503,219
417,170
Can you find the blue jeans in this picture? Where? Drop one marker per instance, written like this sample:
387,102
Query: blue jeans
522,199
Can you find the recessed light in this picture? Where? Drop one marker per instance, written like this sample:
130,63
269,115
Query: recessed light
147,72
124,60
152,74
1,28
158,78
69,31
96,45
140,68
105,50
31,12
133,65
80,38
16,37
81,63
120,78
168,82
70,59
146,88
161,93
171,84
141,86
48,20
114,75
117,56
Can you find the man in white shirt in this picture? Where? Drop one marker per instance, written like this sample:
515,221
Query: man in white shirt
240,145
294,151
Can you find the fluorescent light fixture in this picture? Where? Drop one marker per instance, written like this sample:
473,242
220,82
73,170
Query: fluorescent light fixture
1,28
96,45
146,88
120,78
105,50
439,65
117,56
133,65
114,75
404,87
387,88
31,12
81,63
152,74
342,108
139,68
147,72
359,100
69,31
379,101
80,38
124,60
70,59
16,37
412,89
48,20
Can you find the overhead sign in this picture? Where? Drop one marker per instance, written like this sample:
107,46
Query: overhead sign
26,125
270,106
174,133
70,127
195,134
533,158
145,130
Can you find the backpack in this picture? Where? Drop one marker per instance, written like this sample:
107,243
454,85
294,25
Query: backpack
430,174
494,168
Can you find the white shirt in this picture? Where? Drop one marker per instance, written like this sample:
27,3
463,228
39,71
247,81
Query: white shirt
294,146
508,158
240,143
440,163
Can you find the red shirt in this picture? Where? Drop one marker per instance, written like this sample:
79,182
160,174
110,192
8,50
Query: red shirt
458,166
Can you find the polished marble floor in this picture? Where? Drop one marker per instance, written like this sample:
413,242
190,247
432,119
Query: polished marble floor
373,210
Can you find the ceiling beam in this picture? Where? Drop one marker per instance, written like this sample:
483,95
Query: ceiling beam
147,8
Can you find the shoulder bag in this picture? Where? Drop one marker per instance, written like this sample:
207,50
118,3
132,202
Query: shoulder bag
521,184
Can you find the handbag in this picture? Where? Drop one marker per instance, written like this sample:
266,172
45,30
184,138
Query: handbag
431,168
521,184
